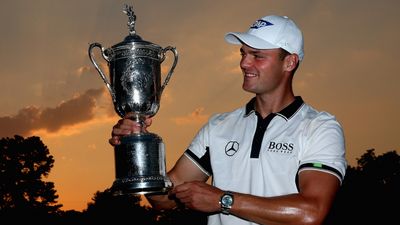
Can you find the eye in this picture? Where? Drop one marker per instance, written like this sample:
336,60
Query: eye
242,52
259,56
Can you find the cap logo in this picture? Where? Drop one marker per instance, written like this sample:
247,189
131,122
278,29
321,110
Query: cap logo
260,23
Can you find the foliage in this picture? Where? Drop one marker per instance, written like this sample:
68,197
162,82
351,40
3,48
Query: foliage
122,209
181,216
126,209
370,191
23,165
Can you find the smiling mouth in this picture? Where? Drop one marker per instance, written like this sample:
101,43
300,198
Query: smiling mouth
250,75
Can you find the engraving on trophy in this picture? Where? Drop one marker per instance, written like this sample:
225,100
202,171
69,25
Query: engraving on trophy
136,89
137,52
130,78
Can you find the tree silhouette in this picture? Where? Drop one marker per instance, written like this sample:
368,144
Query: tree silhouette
24,196
126,209
370,191
122,209
181,216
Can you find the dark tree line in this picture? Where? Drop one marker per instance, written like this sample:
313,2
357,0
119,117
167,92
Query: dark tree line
369,193
24,195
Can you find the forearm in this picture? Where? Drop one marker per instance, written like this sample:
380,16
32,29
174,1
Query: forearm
289,209
310,206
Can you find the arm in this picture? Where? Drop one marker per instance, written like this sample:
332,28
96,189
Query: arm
309,206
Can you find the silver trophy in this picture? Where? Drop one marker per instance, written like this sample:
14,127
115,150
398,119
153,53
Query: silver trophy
135,88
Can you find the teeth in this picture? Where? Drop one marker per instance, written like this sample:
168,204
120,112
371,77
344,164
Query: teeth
249,74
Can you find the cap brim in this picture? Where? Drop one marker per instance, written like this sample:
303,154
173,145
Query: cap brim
248,39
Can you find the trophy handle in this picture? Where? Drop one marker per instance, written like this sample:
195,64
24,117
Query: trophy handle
173,50
108,84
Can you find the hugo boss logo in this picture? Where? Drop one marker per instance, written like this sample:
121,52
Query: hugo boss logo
231,148
282,147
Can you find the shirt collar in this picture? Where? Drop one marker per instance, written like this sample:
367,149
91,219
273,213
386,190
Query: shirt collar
286,113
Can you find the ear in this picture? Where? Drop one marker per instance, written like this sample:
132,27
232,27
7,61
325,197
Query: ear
291,62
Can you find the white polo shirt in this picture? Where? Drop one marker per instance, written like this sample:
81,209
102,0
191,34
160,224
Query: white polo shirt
247,154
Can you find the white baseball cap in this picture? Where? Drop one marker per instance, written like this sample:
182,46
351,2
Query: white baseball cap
271,32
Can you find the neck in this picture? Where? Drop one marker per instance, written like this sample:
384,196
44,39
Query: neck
267,104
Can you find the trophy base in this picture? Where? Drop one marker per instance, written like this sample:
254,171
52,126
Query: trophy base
132,187
140,165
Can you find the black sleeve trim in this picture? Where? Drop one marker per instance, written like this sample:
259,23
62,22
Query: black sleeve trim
203,162
319,167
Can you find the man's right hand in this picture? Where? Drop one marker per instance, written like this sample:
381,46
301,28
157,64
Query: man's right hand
125,127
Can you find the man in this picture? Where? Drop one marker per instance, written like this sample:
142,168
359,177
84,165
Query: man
274,161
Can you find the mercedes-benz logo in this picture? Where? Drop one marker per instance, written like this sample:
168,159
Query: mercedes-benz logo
231,148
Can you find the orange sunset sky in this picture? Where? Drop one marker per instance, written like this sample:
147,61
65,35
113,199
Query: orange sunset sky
50,89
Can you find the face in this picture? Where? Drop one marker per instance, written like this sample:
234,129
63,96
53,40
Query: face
263,70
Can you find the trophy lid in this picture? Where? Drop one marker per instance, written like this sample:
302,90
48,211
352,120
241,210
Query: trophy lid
133,38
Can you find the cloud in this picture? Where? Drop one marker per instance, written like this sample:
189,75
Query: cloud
83,69
196,117
90,69
231,62
71,112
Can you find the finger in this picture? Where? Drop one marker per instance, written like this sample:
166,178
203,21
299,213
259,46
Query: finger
119,130
180,190
129,115
114,141
126,124
131,125
148,121
125,127
176,189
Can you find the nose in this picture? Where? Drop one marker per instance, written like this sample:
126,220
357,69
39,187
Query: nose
245,62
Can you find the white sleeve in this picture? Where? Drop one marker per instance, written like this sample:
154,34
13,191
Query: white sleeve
324,146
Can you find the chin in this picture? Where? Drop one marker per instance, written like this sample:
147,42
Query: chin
247,89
